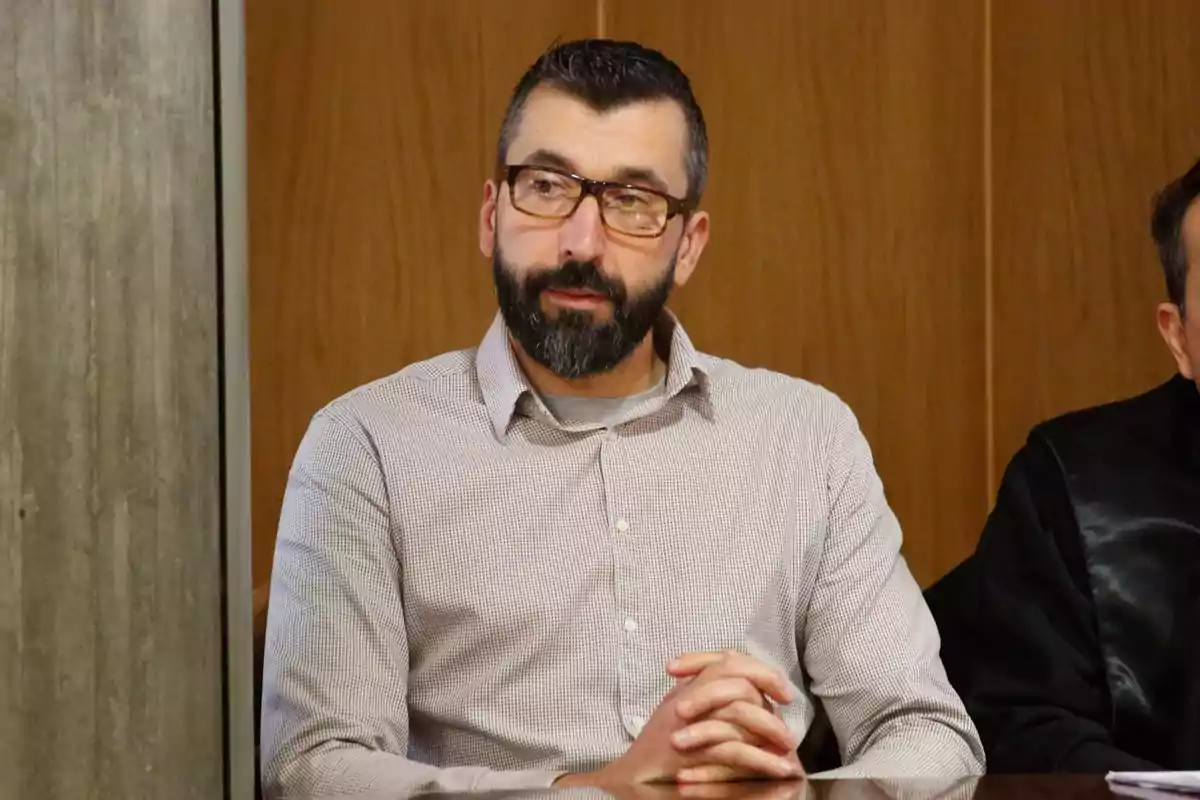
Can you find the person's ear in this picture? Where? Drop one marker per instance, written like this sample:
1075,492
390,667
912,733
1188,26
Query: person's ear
487,218
691,246
1170,325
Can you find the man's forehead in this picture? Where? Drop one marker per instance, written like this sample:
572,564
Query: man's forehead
644,135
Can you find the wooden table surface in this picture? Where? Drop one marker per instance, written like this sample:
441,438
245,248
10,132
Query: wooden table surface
991,787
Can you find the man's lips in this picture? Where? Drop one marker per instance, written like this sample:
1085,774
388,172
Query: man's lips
576,292
576,298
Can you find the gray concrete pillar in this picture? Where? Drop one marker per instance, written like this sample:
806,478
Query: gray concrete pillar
111,571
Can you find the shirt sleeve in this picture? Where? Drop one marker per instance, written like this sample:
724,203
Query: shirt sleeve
1036,685
870,644
335,677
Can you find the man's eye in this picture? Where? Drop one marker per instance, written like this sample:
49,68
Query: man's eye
629,201
546,187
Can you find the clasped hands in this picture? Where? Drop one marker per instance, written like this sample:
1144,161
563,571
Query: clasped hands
717,724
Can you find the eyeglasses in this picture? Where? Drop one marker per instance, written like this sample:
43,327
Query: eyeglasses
551,193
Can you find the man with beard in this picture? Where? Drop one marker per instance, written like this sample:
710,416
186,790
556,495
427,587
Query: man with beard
1085,585
583,553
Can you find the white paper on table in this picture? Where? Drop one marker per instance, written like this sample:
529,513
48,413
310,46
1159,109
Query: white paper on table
1177,782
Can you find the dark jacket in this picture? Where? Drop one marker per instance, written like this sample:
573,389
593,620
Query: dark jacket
1081,652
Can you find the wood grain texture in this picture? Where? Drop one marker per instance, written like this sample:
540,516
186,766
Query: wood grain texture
372,127
847,202
1094,110
110,571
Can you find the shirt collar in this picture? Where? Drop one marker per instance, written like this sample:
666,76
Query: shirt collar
503,382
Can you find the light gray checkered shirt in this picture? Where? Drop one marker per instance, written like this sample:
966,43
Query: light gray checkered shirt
468,594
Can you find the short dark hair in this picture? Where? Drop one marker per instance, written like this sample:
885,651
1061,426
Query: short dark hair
606,74
1166,226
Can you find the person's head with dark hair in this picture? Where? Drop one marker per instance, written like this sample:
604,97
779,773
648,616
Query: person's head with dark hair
1175,226
592,217
608,74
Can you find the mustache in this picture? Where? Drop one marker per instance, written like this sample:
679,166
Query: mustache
578,276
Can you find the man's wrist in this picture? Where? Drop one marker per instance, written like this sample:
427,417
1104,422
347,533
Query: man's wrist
576,779
609,777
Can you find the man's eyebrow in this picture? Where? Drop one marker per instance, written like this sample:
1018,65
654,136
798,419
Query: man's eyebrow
549,158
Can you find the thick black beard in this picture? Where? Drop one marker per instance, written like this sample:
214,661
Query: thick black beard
572,344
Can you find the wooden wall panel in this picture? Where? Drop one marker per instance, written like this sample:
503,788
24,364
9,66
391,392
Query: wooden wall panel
372,126
847,202
859,150
1094,109
110,559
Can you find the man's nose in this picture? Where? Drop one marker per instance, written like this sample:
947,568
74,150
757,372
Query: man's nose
582,236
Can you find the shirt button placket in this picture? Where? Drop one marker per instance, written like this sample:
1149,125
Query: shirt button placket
632,653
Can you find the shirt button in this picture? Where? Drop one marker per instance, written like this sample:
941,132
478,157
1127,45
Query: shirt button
636,724
631,624
622,525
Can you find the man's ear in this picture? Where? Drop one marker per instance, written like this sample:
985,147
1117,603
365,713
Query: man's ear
1170,325
691,246
487,218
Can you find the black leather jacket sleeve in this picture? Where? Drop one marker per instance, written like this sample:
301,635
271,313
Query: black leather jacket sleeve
1036,686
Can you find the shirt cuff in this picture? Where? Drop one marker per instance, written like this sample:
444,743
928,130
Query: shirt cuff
519,779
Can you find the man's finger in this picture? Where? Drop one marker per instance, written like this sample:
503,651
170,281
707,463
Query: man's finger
706,733
677,688
704,698
747,758
759,722
708,774
768,680
692,663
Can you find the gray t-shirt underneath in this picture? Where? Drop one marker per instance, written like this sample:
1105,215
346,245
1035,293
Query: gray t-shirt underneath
603,411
